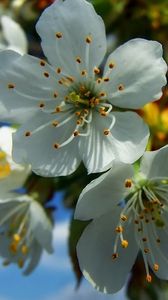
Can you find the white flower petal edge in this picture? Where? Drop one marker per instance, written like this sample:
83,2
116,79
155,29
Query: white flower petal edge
151,161
142,217
70,24
95,253
139,70
95,200
14,35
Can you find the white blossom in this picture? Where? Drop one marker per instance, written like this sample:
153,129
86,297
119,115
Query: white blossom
129,213
70,112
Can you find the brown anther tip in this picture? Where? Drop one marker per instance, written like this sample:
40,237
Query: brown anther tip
123,218
139,229
58,109
58,70
124,244
111,65
60,81
136,222
99,80
102,94
27,133
128,183
156,267
158,241
149,278
41,105
55,123
76,133
96,70
88,39
106,131
144,239
121,87
146,250
147,220
70,78
103,113
114,255
106,79
84,73
46,74
56,146
11,85
55,95
119,229
78,60
59,35
42,63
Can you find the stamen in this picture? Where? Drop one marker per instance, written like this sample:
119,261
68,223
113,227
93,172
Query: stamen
156,267
42,63
20,263
11,86
114,255
59,35
56,146
106,79
55,123
106,132
55,94
123,218
111,65
46,74
128,183
83,72
121,87
88,39
27,133
16,237
149,278
119,229
41,105
78,60
96,70
24,249
76,133
58,70
124,243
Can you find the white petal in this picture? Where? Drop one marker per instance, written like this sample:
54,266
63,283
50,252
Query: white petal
155,163
159,250
35,256
38,148
75,20
14,35
140,69
95,249
103,193
32,83
41,226
96,149
129,136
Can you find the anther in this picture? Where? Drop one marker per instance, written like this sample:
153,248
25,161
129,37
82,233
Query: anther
16,237
13,247
147,220
24,249
124,243
111,65
88,39
46,74
119,229
83,72
155,267
60,81
59,35
149,278
78,60
123,218
11,85
114,255
99,80
136,222
56,146
27,133
77,113
55,94
76,133
144,239
128,183
55,123
121,87
106,131
58,70
41,105
106,79
58,109
42,63
96,70
158,240
20,263
102,94
146,250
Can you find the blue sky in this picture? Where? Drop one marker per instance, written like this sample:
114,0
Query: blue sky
53,279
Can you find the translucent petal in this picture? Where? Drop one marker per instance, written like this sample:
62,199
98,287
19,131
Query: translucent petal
154,163
14,35
95,249
138,73
41,226
74,21
35,256
103,193
129,136
40,148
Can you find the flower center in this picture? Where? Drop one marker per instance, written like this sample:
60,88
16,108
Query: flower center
145,207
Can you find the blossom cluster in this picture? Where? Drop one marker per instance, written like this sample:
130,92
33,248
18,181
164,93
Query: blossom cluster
80,105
